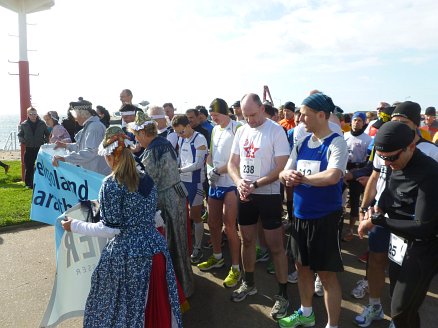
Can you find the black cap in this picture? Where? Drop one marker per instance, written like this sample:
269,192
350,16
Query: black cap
289,105
410,110
393,136
219,105
236,104
202,110
129,108
430,111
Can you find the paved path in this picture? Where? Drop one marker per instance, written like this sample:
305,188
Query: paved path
27,269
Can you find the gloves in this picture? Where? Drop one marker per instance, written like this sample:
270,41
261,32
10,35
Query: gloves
213,177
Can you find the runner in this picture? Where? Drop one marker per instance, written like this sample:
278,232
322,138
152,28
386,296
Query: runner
259,152
222,200
315,170
192,153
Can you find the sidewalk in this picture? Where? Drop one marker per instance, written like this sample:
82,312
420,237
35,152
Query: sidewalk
27,270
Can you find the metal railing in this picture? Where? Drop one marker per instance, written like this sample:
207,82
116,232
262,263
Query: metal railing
11,142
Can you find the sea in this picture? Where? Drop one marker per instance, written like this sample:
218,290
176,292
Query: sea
8,132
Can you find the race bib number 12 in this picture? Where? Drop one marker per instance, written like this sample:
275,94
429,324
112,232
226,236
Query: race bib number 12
308,167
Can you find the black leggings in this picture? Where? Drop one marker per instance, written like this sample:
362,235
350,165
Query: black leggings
410,282
355,189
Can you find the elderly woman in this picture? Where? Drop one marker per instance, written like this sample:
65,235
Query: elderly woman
160,163
124,289
58,133
84,151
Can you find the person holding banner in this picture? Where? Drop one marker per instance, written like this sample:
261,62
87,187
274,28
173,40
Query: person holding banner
125,288
84,151
160,162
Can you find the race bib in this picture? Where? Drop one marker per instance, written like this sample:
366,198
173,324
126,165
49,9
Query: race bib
397,249
250,168
308,167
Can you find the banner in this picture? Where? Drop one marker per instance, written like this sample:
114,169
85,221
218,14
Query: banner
56,189
76,258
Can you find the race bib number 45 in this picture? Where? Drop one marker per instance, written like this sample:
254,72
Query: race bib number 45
308,167
397,249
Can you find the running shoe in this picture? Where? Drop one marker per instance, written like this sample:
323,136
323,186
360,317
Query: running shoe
270,268
292,278
233,278
361,289
211,263
319,289
196,256
261,255
368,315
242,292
297,319
279,310
363,258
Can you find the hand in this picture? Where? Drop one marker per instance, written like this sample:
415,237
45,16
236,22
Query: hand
292,178
66,223
364,227
213,176
245,188
60,144
56,159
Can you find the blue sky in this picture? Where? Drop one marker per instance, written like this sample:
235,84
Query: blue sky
189,52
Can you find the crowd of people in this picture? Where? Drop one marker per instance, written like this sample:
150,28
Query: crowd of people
237,171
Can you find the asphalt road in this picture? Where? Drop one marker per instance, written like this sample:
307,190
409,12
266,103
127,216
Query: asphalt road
27,270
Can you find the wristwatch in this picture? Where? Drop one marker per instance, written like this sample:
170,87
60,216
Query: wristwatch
255,184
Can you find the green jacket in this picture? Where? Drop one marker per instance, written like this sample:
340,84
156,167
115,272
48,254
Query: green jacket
30,139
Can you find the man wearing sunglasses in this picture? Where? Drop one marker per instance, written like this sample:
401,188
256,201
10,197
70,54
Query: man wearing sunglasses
409,113
411,216
32,133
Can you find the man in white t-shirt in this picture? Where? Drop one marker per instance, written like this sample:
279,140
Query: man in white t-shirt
260,151
222,194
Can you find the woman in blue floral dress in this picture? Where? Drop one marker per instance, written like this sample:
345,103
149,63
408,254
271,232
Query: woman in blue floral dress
121,281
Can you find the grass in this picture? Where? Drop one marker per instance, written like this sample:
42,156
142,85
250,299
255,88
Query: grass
15,199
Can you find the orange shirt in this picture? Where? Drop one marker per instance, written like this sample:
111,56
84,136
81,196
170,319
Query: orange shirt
287,124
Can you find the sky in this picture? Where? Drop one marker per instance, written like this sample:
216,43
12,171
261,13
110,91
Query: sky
189,52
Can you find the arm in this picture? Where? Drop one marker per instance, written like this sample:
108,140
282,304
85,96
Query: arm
322,179
89,229
21,134
425,221
93,137
199,160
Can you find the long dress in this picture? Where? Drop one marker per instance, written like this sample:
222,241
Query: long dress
120,282
160,163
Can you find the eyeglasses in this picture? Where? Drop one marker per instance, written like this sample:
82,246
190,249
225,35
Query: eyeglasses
391,158
33,114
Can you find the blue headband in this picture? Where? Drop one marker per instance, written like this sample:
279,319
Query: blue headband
360,115
320,102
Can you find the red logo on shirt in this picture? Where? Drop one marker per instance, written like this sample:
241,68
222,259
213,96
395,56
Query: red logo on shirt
249,149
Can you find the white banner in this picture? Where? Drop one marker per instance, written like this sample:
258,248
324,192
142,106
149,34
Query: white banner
76,258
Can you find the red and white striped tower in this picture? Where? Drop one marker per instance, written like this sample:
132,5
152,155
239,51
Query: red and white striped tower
22,8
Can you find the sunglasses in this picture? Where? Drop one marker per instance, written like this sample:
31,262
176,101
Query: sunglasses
392,158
